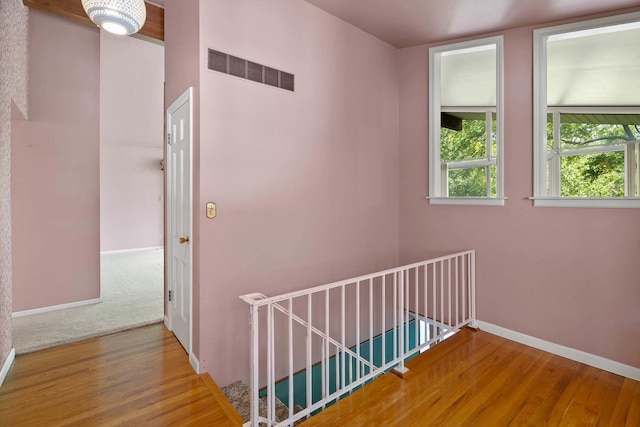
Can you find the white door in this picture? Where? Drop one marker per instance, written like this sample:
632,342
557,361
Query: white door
179,214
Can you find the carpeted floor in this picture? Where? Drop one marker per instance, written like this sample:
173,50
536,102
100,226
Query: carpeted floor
239,394
132,295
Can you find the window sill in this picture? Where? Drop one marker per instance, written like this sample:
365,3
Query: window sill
467,201
586,202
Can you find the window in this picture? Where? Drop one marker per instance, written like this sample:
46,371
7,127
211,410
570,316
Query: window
465,123
587,113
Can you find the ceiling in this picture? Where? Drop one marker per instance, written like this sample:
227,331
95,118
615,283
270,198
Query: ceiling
404,23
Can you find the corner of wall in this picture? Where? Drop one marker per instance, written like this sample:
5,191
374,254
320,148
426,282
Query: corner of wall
13,87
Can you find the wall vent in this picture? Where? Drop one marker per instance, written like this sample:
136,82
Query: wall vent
232,65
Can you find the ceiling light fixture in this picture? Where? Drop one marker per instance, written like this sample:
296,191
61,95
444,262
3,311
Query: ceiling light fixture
123,17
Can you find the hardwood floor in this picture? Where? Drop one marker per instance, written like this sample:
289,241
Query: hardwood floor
142,377
138,377
478,379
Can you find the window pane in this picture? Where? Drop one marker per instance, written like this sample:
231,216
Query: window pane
593,175
494,181
494,133
468,143
468,182
576,135
549,132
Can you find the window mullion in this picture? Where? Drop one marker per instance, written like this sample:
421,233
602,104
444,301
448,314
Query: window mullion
444,179
636,177
592,150
488,149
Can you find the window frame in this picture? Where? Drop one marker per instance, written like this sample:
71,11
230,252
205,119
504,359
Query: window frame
541,109
437,194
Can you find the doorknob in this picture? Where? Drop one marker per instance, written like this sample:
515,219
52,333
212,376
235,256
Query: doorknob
184,240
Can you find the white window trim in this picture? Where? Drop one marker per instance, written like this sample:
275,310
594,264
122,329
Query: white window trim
540,198
436,195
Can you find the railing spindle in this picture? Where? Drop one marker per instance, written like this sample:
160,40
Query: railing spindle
472,257
371,323
342,340
384,323
457,317
309,379
407,308
327,390
449,285
357,367
290,400
396,327
417,315
271,370
464,287
433,274
441,296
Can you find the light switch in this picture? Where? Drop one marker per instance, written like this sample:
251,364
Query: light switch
211,210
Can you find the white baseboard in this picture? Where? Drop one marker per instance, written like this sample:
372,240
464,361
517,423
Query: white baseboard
56,307
7,365
120,251
194,363
560,350
166,322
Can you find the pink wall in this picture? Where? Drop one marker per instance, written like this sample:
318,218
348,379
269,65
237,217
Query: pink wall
13,104
131,143
131,200
306,183
131,91
55,184
569,276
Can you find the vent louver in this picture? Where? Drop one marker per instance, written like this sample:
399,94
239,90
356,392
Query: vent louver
232,65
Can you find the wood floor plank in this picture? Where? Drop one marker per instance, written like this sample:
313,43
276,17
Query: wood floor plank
627,410
478,379
137,377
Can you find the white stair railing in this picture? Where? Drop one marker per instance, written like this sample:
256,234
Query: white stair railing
317,345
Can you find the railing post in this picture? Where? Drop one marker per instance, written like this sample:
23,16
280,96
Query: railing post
400,370
254,363
472,270
254,367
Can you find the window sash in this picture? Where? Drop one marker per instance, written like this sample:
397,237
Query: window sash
487,162
555,155
437,185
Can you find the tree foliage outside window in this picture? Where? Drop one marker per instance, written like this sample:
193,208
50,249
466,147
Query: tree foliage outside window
464,145
592,174
582,175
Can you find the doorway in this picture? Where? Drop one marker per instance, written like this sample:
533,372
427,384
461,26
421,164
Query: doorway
131,174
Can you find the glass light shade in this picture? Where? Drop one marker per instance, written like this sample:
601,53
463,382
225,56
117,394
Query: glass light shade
117,16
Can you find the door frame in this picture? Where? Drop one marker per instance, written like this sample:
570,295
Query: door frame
186,97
